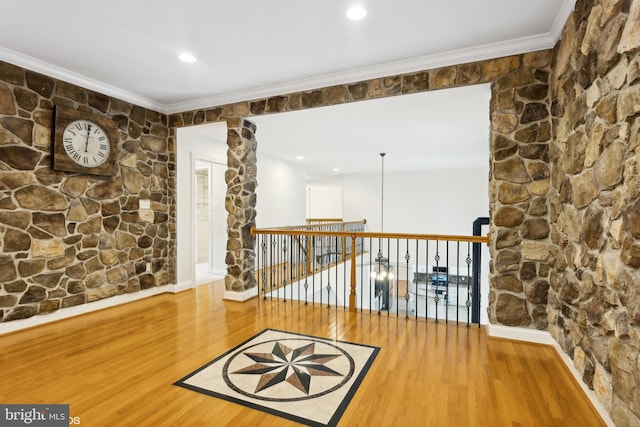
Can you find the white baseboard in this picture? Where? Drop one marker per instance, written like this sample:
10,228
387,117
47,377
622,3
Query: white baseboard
241,296
545,337
519,334
182,286
41,319
590,393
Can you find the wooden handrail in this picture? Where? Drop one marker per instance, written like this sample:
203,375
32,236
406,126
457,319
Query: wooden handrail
370,234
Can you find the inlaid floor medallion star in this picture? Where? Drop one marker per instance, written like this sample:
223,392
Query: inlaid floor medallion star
290,365
306,379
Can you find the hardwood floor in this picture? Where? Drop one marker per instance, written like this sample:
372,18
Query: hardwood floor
116,367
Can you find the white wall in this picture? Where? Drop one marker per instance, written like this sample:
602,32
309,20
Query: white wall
445,201
280,193
324,198
192,145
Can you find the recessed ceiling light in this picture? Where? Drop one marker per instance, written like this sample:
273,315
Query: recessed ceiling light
187,57
299,157
336,170
356,13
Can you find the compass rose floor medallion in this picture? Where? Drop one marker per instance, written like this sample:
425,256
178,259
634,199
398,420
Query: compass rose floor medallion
306,379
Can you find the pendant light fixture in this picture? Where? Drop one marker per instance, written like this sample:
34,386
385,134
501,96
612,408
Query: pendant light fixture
381,271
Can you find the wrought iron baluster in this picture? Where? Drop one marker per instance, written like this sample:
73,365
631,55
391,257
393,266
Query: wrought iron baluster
436,299
321,266
306,268
360,252
397,279
314,261
468,303
370,278
329,275
457,282
345,256
272,266
284,268
415,278
407,258
387,277
446,310
264,266
426,266
379,288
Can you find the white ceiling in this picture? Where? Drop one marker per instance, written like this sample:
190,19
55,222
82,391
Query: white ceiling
250,49
254,48
430,130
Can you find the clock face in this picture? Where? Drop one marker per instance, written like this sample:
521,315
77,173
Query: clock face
86,143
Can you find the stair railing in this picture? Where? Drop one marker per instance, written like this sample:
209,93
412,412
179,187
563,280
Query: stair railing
421,275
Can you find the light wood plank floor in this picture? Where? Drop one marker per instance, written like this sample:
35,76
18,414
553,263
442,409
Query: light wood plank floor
116,367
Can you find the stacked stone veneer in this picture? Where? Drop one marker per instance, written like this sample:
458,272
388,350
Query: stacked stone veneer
519,114
520,175
240,204
67,238
594,201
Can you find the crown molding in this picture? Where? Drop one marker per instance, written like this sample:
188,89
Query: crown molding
68,76
461,56
561,18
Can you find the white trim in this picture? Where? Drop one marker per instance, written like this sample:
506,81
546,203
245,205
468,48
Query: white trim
65,313
182,286
241,296
63,74
519,334
192,212
545,337
461,56
589,393
561,18
455,57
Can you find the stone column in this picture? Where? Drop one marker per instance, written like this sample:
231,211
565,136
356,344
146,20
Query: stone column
519,184
240,203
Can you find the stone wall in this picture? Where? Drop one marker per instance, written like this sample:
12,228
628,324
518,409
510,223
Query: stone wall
519,183
518,111
594,201
240,204
67,238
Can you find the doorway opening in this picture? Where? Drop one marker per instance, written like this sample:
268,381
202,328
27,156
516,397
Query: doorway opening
210,223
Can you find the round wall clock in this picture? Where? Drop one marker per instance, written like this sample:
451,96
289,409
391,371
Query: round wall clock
84,142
